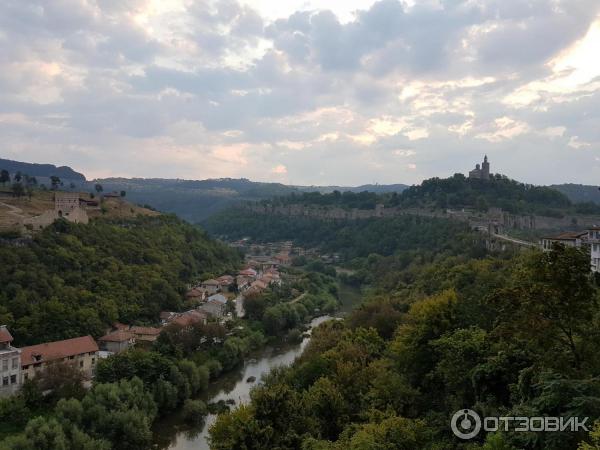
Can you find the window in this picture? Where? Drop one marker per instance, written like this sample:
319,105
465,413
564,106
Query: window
93,361
15,363
4,365
13,379
5,381
81,364
71,357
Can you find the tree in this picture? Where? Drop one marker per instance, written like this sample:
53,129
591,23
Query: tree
4,177
18,177
123,193
98,188
550,302
63,379
194,411
18,190
55,182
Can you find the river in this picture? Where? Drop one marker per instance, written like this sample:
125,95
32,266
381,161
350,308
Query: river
172,433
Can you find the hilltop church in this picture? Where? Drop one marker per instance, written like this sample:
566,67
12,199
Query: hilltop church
483,172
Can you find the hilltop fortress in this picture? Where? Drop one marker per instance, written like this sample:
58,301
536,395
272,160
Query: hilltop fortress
67,205
481,172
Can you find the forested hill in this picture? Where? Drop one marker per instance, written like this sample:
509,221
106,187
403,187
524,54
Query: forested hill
500,191
40,170
579,193
194,200
455,192
350,239
77,279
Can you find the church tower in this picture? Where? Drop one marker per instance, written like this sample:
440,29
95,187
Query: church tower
485,169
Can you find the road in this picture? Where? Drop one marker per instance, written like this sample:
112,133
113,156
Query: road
239,306
506,238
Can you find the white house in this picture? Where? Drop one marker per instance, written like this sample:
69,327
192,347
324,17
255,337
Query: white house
593,239
10,364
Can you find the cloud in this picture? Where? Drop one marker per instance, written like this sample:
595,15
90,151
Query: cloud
279,169
372,91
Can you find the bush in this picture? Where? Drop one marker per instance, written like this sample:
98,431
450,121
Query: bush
194,411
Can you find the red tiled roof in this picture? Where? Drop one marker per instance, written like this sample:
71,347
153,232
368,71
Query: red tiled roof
196,292
5,335
567,236
57,350
151,331
248,272
117,336
189,318
210,283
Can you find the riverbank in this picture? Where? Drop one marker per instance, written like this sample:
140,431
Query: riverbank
172,433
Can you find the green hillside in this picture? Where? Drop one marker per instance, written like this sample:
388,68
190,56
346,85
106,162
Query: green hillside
78,279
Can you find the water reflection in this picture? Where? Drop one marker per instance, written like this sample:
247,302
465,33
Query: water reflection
173,433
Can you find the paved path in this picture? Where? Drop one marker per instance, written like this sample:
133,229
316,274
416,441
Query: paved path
239,306
510,239
13,210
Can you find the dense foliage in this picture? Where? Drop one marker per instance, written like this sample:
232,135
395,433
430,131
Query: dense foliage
455,192
77,279
503,336
349,238
284,309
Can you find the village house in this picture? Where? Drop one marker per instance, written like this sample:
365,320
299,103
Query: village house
167,316
211,286
196,295
589,238
248,273
242,282
568,239
190,318
216,306
226,283
81,352
145,334
117,341
593,239
10,364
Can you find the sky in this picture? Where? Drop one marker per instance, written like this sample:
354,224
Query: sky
303,92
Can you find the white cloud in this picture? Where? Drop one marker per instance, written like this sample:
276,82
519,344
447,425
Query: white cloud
268,90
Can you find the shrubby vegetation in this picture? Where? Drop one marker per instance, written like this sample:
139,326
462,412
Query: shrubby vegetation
78,279
287,307
348,238
505,335
455,192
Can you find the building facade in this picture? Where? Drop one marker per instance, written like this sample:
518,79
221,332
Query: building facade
589,238
82,352
593,238
117,341
481,172
10,364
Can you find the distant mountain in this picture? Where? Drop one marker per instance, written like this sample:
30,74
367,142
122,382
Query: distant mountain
194,201
41,170
376,188
579,193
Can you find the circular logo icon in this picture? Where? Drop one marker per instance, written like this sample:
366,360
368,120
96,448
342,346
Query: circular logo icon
466,424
